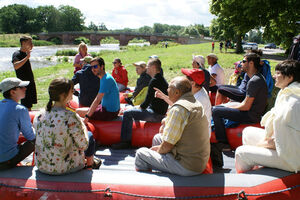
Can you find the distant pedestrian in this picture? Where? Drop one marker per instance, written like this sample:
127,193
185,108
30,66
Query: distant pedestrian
20,60
221,46
212,47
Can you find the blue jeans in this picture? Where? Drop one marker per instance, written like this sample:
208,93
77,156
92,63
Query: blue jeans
136,114
232,92
92,145
220,112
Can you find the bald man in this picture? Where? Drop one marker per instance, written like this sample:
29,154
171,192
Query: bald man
183,147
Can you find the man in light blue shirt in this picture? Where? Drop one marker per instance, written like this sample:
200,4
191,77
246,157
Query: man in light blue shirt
14,119
108,95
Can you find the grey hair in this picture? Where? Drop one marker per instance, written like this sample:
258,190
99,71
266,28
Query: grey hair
182,84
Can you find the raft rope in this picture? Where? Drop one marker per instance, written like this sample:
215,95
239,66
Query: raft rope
108,193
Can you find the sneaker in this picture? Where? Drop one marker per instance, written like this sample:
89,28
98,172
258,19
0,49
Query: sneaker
121,145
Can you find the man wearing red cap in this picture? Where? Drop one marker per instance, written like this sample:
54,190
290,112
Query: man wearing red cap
197,79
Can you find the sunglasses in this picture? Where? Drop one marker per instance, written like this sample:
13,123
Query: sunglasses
244,61
114,62
95,66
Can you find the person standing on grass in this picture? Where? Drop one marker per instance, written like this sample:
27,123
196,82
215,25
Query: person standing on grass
22,66
14,119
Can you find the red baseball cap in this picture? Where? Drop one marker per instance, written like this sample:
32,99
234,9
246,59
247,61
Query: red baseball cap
196,74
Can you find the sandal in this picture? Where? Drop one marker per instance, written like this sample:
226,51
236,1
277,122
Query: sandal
96,165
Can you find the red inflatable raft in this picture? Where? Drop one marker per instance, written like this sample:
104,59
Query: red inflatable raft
118,179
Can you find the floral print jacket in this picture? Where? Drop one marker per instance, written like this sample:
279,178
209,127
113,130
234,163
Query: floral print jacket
61,138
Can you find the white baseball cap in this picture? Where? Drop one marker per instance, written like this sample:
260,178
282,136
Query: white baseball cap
199,59
140,63
10,83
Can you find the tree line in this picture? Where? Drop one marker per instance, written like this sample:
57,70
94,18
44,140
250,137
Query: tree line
277,19
18,18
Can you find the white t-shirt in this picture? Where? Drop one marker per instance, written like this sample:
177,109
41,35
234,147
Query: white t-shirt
203,98
218,70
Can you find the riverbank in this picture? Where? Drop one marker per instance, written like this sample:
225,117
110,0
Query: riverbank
13,40
173,59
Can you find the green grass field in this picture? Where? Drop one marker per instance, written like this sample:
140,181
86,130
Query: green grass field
173,59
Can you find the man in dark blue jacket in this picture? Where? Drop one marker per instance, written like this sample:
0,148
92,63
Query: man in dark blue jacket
89,85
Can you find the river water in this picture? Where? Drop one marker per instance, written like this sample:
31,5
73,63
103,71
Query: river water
39,55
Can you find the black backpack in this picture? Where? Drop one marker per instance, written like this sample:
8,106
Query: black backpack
295,49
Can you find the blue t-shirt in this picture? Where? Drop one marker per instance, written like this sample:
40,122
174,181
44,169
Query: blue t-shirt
14,118
111,99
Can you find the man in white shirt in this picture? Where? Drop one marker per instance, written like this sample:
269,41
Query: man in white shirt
197,78
216,71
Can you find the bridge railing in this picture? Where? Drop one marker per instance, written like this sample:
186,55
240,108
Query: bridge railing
112,33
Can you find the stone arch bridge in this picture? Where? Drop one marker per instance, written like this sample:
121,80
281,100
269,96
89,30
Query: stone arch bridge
95,38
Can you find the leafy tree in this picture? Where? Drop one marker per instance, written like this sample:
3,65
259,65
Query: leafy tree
277,16
71,18
191,31
145,30
49,18
18,19
102,27
93,27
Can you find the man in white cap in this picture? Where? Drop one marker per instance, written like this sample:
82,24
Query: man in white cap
14,118
141,83
216,71
199,63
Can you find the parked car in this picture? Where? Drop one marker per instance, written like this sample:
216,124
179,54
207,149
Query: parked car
250,46
270,46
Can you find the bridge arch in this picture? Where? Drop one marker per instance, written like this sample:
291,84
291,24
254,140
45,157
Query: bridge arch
95,38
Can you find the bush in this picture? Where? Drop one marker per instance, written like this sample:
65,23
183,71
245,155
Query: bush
66,52
41,43
109,40
35,37
65,59
81,39
56,41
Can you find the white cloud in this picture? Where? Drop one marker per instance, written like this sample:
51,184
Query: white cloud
117,14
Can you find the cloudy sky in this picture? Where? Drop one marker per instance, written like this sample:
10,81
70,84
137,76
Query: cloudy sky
118,14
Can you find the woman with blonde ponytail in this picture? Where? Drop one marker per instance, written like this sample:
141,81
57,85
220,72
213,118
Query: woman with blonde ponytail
62,141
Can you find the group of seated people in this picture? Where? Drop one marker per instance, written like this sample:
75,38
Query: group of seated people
63,145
